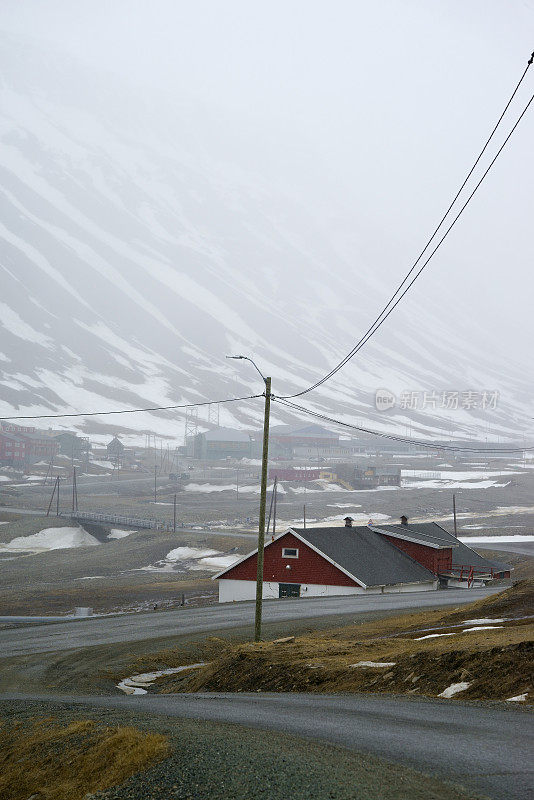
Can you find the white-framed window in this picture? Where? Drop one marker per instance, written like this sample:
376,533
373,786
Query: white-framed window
290,552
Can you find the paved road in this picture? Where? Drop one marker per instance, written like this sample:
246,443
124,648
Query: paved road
31,511
525,548
137,627
485,748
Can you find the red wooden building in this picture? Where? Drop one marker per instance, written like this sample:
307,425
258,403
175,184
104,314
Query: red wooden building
354,560
22,445
13,449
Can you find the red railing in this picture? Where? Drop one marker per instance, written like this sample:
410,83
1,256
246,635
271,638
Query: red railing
470,571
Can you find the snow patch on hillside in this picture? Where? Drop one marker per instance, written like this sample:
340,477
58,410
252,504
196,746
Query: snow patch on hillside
182,559
50,539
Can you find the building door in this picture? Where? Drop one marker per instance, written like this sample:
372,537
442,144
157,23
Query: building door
289,590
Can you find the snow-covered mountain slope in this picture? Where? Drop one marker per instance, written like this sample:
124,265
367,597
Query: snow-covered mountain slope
144,238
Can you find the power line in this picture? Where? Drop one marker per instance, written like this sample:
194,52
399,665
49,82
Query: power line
133,410
395,437
384,314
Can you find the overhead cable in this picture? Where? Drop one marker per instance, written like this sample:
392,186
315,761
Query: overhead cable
394,300
134,410
397,438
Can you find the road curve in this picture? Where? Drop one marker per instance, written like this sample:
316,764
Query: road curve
91,631
487,749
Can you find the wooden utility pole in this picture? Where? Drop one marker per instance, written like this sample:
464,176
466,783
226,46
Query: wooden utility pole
275,489
57,498
263,503
49,471
74,491
56,487
174,515
155,482
270,512
454,514
304,516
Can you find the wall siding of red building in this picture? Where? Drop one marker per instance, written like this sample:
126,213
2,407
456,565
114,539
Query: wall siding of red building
309,567
434,560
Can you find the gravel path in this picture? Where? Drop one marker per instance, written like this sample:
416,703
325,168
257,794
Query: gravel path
216,761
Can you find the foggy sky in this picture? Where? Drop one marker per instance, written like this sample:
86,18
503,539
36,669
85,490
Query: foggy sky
396,98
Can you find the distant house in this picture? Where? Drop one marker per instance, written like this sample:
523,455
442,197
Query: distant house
369,477
288,441
219,443
70,444
40,447
115,450
372,477
356,560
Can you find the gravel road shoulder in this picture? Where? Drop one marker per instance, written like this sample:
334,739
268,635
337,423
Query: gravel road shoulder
216,760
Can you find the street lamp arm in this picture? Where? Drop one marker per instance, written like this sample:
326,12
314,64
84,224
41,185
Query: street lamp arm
263,497
246,358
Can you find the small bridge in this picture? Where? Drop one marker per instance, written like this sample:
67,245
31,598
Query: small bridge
117,519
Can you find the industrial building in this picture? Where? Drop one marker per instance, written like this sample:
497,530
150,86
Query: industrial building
219,443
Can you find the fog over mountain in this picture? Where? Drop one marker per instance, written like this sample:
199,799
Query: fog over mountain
150,230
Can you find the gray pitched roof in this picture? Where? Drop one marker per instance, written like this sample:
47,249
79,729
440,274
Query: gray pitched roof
226,435
468,557
365,555
427,533
434,535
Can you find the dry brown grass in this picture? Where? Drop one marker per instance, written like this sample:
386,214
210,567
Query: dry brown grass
516,601
45,760
497,662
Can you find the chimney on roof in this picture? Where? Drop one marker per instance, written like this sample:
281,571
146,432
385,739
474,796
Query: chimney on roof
404,520
348,522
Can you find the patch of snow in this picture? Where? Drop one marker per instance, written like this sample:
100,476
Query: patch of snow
216,562
116,533
454,688
516,537
359,518
481,621
378,664
451,484
343,505
193,559
136,683
182,553
51,539
519,698
4,478
12,322
432,636
482,628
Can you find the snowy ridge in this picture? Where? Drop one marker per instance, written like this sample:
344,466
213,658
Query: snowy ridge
139,248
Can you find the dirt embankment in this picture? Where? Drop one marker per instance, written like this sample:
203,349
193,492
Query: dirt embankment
415,654
517,601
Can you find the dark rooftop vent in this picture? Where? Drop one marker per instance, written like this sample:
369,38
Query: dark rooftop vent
348,522
404,520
